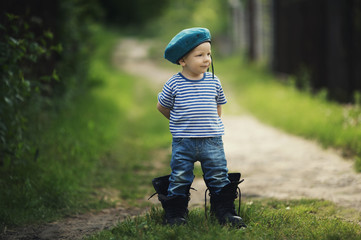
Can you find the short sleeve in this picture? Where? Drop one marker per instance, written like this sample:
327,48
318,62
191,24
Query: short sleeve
221,97
165,97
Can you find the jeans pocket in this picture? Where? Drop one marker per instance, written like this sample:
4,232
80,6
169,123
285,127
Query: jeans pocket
177,141
215,141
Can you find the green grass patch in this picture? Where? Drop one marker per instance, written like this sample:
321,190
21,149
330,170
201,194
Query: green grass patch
266,219
301,113
101,142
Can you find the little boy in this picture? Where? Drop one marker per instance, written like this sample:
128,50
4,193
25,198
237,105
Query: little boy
192,101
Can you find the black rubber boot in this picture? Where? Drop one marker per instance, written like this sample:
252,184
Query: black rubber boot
222,204
175,207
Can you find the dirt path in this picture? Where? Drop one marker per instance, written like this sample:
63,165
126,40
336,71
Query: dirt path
274,164
75,227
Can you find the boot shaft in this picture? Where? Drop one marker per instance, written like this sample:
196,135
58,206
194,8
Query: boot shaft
222,203
175,207
230,190
161,184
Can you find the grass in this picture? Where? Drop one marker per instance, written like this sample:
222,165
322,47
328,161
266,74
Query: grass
266,219
102,142
282,105
59,181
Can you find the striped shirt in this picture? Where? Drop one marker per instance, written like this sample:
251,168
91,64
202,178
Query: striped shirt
193,105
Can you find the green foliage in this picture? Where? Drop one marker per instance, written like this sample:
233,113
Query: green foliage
21,52
73,32
211,14
40,46
101,142
267,219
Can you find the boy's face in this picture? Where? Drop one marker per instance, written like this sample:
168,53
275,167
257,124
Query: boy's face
196,62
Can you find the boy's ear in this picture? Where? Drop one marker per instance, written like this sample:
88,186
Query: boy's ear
182,62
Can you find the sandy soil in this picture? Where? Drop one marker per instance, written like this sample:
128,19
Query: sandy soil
274,164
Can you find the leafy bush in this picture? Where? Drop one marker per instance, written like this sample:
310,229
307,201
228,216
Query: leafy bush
21,51
38,37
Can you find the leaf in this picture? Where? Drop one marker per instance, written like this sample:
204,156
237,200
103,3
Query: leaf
13,41
57,48
48,34
12,16
19,97
41,50
26,84
33,47
55,75
8,101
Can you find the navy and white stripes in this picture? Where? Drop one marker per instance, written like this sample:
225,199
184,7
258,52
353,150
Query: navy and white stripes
193,105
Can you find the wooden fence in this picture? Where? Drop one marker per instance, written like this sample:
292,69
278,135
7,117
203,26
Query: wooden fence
318,41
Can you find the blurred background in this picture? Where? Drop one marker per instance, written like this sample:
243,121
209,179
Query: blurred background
318,41
53,54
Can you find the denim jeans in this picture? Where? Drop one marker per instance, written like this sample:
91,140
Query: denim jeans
209,152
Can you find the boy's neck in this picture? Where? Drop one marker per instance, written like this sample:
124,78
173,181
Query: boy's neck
192,77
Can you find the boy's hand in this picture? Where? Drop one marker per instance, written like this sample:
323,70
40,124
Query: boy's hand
165,111
219,110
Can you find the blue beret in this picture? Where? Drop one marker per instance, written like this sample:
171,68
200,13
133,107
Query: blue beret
184,42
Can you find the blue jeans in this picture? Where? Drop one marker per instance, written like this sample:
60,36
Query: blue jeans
209,152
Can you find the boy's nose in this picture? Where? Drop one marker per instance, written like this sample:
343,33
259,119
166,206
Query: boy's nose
207,58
